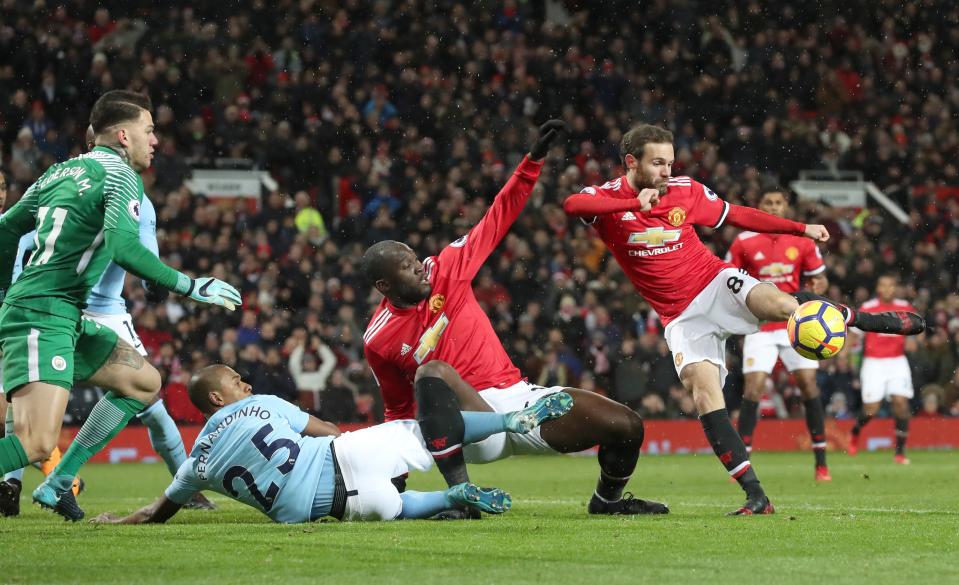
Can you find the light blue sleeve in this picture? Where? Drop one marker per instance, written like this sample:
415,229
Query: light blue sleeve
148,225
26,244
298,419
185,483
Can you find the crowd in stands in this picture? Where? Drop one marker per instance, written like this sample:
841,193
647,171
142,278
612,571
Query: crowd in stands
400,119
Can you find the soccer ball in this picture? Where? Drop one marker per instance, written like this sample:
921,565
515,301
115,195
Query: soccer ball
817,330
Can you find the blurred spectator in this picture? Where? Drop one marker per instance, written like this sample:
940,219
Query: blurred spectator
383,129
310,371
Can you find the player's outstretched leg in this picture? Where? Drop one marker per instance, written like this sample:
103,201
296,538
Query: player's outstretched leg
545,409
896,322
618,431
418,505
489,500
482,425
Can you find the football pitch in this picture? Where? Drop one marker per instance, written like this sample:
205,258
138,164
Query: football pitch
875,523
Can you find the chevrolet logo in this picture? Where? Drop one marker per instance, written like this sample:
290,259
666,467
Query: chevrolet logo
655,237
776,269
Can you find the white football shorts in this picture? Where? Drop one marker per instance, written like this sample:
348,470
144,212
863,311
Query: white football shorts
885,377
761,349
718,311
122,324
370,458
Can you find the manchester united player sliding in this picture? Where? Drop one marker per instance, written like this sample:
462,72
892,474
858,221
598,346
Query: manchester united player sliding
433,350
784,260
885,370
646,219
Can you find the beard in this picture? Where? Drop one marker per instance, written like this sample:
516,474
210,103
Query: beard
651,182
412,295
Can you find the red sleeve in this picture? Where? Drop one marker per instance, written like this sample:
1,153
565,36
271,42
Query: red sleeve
812,263
591,204
463,258
396,389
707,208
748,218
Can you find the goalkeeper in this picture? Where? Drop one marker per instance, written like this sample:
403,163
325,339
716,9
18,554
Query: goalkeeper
86,213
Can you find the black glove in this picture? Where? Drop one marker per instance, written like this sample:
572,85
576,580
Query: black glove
155,293
549,133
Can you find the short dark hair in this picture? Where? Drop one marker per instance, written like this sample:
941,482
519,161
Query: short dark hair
639,136
378,261
116,107
202,383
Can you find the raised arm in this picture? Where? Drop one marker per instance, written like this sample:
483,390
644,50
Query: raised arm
464,257
755,220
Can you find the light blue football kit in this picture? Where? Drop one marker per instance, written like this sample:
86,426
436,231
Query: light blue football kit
253,452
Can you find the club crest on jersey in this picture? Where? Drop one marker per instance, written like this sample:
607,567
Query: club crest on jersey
134,208
655,237
58,363
436,302
792,252
676,216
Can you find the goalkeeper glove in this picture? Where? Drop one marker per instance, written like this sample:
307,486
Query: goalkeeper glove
207,289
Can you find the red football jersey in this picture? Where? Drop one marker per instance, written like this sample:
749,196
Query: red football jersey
659,250
885,345
449,325
782,259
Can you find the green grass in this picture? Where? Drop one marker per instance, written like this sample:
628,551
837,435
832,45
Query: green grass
875,523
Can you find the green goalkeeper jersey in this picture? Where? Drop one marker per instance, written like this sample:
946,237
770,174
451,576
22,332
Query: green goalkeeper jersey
86,212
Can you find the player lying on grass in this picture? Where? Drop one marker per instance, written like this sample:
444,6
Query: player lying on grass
646,220
86,212
264,452
433,350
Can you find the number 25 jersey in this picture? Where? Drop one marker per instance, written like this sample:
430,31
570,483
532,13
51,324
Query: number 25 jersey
253,452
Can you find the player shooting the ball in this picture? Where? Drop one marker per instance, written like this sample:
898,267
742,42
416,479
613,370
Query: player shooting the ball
646,218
